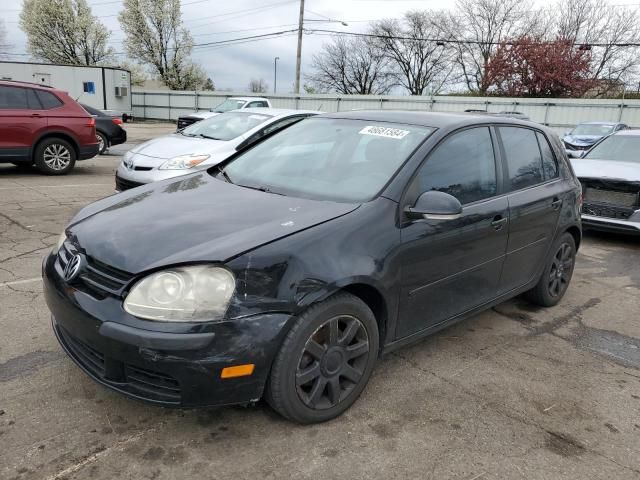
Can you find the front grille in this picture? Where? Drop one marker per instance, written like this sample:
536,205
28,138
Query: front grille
184,122
97,278
153,383
142,382
610,198
577,147
92,359
123,184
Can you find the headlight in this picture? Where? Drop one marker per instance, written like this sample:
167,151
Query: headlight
183,162
61,239
185,294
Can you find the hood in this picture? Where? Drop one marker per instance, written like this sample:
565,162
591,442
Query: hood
173,145
582,139
588,168
191,219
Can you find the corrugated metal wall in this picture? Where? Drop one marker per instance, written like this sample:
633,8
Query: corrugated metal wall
560,114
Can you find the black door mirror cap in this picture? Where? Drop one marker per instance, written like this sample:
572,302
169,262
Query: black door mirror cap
435,205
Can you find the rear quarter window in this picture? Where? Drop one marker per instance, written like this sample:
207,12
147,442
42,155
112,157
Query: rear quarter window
48,100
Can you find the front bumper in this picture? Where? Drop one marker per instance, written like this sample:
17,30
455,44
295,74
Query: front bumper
174,364
133,178
614,225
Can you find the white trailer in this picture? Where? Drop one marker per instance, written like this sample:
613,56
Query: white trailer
104,88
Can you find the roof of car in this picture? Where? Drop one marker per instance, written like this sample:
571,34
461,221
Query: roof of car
599,123
248,99
426,119
18,83
277,112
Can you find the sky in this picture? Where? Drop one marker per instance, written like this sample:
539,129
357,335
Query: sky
233,66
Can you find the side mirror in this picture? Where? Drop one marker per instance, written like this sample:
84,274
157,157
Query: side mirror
434,205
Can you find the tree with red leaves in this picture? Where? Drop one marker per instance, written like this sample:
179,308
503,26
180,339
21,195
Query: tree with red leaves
533,68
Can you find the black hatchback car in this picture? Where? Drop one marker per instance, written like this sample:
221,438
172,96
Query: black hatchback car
286,271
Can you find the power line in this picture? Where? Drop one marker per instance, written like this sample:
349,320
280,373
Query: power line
452,41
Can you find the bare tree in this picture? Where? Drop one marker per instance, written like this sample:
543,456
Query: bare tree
584,22
418,60
64,31
351,66
258,86
477,27
5,46
138,72
156,37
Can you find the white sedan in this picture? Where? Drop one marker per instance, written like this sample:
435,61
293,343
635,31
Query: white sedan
201,145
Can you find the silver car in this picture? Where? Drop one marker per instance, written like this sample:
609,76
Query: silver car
610,177
201,145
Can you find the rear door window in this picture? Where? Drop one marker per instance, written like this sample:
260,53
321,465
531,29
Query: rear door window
463,166
523,157
13,98
549,164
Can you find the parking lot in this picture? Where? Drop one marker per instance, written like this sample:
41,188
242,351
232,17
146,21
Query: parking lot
516,392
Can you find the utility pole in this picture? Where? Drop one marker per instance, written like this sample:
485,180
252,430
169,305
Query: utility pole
299,52
275,73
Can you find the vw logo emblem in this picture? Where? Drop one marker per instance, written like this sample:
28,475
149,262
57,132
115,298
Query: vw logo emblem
72,269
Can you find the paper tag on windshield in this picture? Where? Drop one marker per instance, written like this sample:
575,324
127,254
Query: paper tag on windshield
384,132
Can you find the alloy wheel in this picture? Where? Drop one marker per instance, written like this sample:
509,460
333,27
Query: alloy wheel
100,143
333,362
561,270
57,156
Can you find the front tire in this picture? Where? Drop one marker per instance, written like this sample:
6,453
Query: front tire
54,156
325,360
557,274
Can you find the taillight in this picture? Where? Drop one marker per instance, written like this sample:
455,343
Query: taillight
92,122
117,121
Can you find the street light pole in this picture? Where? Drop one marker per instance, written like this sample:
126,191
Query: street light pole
275,73
299,52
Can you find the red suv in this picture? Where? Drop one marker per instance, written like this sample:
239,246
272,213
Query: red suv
44,126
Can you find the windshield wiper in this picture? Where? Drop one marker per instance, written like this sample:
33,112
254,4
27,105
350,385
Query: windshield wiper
261,189
225,175
202,135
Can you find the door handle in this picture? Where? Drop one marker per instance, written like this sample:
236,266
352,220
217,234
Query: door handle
498,222
556,203
36,115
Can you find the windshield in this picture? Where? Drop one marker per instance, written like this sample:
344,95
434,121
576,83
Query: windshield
226,126
587,129
620,148
328,159
229,104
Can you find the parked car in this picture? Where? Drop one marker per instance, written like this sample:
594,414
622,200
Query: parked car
233,103
201,145
586,135
610,177
108,129
287,270
44,126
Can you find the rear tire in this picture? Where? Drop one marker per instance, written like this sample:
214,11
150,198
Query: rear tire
55,156
557,273
325,361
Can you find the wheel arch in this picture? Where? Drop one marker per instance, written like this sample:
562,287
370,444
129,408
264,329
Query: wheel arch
575,232
374,299
61,135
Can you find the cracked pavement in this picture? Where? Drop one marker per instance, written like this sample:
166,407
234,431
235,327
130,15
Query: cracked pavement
516,392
